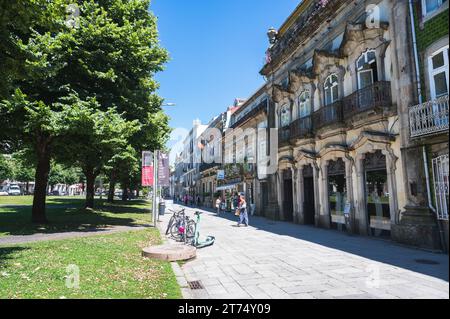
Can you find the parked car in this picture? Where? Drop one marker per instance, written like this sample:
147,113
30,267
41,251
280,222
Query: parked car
14,190
3,192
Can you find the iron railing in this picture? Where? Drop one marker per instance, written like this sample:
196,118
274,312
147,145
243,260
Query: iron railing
284,135
327,115
301,128
441,185
429,118
374,96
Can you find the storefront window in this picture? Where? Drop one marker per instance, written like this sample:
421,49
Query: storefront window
337,192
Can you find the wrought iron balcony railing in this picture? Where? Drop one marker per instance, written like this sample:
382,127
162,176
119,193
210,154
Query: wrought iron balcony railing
301,128
205,166
374,96
429,118
327,115
284,135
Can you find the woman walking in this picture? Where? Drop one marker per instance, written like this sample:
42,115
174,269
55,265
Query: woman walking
243,216
218,205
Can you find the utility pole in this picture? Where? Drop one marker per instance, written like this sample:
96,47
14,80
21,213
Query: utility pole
155,186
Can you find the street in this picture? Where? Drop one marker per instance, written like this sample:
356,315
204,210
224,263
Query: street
281,260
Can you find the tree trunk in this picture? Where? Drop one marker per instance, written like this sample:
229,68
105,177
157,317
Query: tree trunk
40,189
112,187
90,188
125,193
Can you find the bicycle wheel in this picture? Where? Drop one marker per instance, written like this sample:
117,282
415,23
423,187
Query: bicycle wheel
169,226
190,229
175,233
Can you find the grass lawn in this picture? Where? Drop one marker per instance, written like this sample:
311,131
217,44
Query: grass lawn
67,214
110,266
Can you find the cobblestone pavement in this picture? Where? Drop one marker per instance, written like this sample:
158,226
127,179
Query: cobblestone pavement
283,260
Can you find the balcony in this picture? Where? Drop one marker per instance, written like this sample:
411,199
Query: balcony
327,115
205,166
284,135
261,107
301,128
372,97
429,118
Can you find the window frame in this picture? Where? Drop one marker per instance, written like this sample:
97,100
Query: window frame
433,72
300,103
334,85
424,7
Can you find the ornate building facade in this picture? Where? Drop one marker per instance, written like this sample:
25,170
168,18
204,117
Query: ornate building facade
341,78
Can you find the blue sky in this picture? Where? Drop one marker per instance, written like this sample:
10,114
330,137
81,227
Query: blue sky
217,48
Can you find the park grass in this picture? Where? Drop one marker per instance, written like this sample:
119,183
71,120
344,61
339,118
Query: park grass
67,214
111,267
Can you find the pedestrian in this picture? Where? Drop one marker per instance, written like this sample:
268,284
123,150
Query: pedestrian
235,201
218,205
185,200
243,212
198,200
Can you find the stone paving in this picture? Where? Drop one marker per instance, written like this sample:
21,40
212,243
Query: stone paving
283,260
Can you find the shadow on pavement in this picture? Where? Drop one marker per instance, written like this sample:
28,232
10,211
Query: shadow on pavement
378,250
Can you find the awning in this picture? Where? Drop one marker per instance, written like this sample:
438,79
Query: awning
229,186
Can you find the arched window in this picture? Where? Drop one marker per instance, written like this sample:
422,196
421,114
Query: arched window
304,104
285,115
331,88
367,69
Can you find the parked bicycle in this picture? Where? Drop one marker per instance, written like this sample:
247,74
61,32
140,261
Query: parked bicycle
181,228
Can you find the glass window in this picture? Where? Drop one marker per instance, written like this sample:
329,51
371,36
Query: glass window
331,89
285,115
367,69
429,6
438,73
304,104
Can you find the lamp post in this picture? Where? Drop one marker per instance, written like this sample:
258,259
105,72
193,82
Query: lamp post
155,179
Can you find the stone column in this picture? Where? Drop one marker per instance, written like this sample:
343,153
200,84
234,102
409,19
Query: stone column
360,200
317,203
324,200
294,194
300,195
349,185
280,194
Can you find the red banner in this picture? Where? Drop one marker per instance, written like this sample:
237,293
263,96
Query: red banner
147,169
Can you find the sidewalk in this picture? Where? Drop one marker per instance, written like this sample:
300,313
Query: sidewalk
282,260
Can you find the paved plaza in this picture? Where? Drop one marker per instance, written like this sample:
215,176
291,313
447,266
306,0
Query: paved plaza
283,260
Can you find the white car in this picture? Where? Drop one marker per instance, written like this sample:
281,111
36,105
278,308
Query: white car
14,190
3,193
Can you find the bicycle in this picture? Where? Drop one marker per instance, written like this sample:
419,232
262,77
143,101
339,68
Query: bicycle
175,216
180,226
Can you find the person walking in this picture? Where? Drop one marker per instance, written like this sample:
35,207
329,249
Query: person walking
243,212
218,205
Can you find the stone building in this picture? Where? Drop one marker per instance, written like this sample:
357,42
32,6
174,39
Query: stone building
243,148
191,158
211,159
341,80
429,117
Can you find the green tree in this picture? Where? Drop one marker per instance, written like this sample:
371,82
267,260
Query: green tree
111,56
5,168
101,135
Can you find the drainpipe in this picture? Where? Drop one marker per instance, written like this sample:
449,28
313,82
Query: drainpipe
416,55
419,95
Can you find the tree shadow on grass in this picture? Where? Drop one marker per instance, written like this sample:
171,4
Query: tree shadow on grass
7,253
17,220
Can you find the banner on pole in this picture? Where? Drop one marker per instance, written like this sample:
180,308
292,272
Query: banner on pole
147,169
163,170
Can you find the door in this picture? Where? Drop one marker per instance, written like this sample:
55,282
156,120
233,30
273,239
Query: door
288,205
309,211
